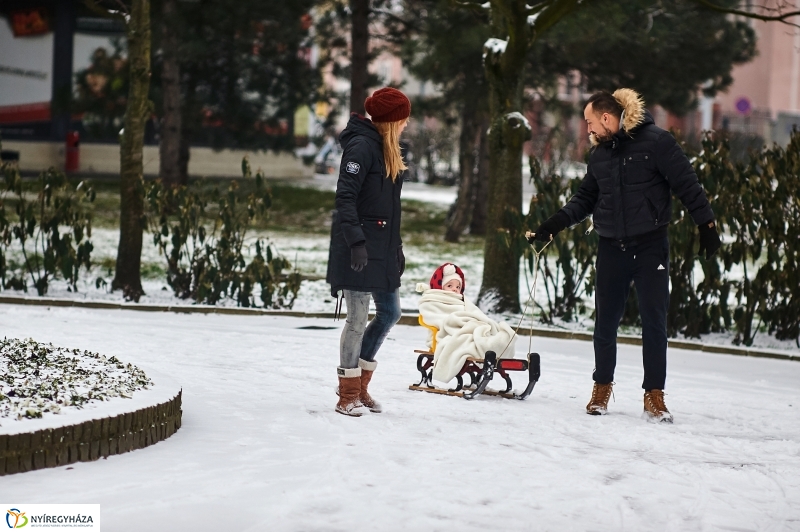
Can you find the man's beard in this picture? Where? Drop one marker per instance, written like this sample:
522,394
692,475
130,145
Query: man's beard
605,136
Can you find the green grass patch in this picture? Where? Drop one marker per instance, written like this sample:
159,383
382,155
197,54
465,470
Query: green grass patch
294,209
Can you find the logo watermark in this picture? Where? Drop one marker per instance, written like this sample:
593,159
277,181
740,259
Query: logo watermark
51,516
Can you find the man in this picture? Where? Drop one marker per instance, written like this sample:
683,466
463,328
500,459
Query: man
633,170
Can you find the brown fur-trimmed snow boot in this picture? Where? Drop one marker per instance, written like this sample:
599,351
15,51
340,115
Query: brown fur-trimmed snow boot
601,393
367,368
654,408
349,390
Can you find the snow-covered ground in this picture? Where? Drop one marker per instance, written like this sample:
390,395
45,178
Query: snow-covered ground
309,254
262,449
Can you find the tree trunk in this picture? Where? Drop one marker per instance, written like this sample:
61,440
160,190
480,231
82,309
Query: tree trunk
359,41
478,224
190,122
504,71
170,148
466,160
430,176
129,254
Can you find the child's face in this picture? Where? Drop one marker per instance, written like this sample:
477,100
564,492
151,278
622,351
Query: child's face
453,285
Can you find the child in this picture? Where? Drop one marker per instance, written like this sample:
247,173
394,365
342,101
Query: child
464,330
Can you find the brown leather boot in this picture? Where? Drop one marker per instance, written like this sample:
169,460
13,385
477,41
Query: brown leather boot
601,393
654,408
349,390
367,368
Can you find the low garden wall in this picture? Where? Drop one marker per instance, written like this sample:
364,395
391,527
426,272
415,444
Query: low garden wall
89,440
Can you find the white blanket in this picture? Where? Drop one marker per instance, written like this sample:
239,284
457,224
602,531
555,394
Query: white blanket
464,331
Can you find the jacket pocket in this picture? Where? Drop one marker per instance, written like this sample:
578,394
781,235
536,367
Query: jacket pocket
653,210
381,222
377,234
638,168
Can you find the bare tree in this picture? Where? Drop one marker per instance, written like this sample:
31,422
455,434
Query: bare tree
359,54
136,16
170,145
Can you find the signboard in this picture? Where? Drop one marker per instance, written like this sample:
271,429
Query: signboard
743,105
29,22
26,66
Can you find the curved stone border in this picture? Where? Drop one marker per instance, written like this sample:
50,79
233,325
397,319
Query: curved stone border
407,319
89,440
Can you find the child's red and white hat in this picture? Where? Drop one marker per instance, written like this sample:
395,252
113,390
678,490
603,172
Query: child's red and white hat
445,273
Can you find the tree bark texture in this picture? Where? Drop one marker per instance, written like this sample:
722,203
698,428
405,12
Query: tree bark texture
505,72
477,225
190,122
170,146
129,254
467,156
359,42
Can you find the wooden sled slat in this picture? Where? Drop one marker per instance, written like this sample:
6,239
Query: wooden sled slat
441,391
435,390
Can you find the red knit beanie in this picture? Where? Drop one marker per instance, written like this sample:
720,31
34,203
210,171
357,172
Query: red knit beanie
388,105
446,272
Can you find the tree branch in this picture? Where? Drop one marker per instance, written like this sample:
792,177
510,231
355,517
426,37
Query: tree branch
95,7
779,17
474,6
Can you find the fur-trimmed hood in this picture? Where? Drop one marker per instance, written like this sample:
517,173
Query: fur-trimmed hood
633,111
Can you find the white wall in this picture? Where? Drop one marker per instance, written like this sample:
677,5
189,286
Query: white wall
205,162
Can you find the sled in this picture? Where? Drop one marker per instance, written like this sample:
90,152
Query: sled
479,371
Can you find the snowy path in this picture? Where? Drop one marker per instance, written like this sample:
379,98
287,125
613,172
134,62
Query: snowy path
262,449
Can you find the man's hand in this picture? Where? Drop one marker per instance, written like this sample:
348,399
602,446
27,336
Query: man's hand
401,260
709,239
358,257
533,237
549,228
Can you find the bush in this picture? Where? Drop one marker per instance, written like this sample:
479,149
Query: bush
49,227
209,264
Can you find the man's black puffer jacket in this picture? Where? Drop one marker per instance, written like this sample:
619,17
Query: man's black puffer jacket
367,210
629,181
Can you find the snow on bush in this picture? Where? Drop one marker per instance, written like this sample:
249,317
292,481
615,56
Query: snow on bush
37,378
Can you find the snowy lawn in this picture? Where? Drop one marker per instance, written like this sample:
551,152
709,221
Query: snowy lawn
261,447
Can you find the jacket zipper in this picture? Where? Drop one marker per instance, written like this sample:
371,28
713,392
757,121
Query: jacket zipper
622,177
653,211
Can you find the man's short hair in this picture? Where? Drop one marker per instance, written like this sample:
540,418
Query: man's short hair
604,102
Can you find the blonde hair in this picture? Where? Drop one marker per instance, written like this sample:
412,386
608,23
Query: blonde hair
390,132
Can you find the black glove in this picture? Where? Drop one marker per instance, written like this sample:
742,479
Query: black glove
401,260
709,239
358,257
550,227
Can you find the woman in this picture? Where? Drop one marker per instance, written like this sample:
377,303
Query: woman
366,254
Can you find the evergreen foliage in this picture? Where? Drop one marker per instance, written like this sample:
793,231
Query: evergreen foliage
752,285
48,227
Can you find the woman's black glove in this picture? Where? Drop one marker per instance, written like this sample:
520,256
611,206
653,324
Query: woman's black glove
550,228
401,260
358,257
709,239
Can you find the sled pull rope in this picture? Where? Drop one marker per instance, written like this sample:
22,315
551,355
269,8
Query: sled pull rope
531,293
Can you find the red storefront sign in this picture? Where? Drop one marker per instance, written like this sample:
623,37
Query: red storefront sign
29,22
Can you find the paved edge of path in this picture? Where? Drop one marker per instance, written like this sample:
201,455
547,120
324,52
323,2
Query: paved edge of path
406,319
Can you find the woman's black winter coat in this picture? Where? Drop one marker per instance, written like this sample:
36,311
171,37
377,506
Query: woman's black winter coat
367,211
